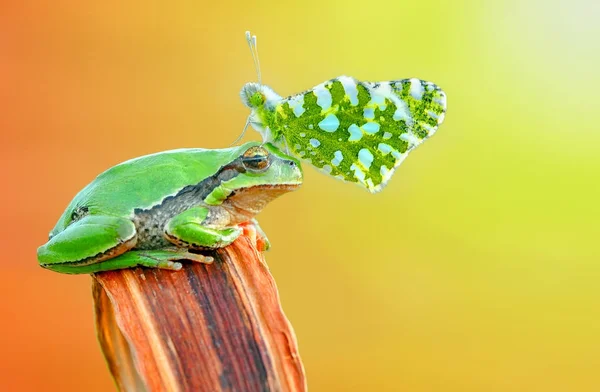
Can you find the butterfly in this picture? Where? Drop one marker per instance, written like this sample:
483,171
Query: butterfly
356,131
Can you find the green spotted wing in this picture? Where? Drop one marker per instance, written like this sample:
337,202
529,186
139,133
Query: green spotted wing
358,131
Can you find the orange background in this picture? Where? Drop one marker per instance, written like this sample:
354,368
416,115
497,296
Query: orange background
476,269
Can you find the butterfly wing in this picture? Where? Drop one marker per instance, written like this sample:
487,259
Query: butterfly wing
359,131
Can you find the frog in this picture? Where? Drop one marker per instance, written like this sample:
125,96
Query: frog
158,210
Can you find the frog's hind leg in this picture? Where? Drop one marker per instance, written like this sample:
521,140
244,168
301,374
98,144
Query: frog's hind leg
164,259
86,242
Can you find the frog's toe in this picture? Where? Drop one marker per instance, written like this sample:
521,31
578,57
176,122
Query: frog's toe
201,258
256,234
170,265
166,258
195,257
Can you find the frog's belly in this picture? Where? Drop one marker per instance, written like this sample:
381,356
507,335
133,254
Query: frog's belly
151,232
150,224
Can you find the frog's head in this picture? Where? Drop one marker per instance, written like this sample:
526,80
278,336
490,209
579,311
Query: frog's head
265,167
256,95
263,173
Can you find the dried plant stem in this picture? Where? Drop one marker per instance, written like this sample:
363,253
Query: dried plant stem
217,327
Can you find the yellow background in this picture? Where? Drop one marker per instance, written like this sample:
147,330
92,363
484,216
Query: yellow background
476,269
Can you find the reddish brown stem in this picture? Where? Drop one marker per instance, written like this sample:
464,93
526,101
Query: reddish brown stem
216,327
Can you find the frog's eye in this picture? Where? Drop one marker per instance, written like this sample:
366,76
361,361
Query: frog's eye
256,159
78,213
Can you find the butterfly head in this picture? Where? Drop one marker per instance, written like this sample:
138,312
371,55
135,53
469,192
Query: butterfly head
256,95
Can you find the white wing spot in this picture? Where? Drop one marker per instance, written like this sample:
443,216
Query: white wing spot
379,94
371,127
337,158
297,104
358,173
384,148
430,130
369,113
315,143
416,89
350,89
355,133
377,100
323,96
365,157
310,126
302,134
441,119
385,173
327,169
410,138
432,114
402,112
297,147
329,123
387,135
441,100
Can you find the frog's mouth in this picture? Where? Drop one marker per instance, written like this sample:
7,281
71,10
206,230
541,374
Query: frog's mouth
289,187
244,203
270,191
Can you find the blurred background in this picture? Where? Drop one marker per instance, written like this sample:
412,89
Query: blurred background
476,269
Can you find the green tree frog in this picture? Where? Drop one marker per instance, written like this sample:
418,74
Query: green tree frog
154,210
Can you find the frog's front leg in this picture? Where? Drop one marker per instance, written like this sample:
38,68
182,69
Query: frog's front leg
253,230
189,230
89,241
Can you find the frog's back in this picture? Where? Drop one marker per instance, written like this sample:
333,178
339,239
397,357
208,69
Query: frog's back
143,182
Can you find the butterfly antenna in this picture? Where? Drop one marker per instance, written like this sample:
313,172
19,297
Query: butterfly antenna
251,39
241,134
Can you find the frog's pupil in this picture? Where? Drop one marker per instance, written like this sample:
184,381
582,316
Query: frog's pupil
78,213
257,161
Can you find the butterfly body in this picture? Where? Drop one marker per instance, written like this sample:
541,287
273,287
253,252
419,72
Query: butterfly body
357,131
